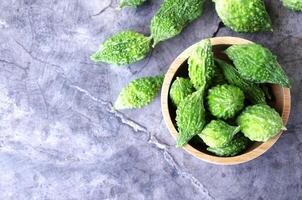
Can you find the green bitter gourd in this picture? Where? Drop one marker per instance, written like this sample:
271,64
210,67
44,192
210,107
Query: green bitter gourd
123,48
225,101
218,133
257,64
233,148
190,117
172,17
260,122
252,91
244,15
201,65
180,89
139,92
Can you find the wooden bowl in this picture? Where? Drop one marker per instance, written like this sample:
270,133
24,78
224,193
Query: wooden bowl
281,102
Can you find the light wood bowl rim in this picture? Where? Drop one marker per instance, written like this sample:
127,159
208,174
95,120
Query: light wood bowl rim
262,148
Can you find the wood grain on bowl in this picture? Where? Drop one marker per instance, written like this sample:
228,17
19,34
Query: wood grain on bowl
282,103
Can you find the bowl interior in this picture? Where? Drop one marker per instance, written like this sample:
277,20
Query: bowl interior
196,146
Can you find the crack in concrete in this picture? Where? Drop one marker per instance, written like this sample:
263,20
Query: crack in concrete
103,9
87,93
58,68
169,158
44,100
130,123
34,57
125,120
133,125
152,140
25,69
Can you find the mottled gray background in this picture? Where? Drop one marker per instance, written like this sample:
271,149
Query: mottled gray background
59,139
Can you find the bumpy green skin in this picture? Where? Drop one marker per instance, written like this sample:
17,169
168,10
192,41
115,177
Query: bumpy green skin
293,4
172,17
218,133
218,78
201,65
190,117
224,101
252,91
139,93
260,122
123,48
233,148
257,64
180,89
244,15
131,3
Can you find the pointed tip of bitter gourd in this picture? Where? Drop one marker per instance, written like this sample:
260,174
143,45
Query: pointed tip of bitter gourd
118,105
94,57
121,5
285,82
180,141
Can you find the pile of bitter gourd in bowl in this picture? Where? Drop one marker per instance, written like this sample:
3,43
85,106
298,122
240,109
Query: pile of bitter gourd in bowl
225,103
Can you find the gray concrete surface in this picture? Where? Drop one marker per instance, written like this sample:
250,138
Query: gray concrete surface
59,139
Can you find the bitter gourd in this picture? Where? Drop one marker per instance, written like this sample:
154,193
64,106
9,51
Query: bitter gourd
172,17
218,133
123,48
139,93
233,148
180,89
224,101
218,78
190,117
260,122
252,91
257,64
201,65
244,15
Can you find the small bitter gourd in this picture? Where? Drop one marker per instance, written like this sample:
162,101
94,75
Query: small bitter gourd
139,92
257,64
260,122
225,101
218,133
233,148
218,78
252,91
244,15
201,65
190,117
180,89
172,17
123,48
